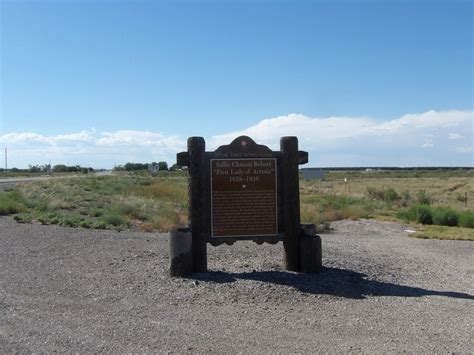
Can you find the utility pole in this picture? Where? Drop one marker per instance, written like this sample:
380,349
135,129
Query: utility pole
6,164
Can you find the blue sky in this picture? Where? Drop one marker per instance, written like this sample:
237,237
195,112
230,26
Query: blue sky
359,82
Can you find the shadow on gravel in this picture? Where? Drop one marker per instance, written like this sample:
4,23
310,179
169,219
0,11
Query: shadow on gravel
330,281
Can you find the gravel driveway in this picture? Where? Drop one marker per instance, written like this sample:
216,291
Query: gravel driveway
77,290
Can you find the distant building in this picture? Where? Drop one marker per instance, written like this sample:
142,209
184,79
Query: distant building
153,167
313,174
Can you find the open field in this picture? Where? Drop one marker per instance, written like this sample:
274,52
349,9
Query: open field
142,202
91,291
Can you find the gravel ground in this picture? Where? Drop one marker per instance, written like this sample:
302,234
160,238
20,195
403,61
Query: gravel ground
77,290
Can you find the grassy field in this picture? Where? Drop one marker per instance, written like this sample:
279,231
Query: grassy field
142,202
104,202
394,195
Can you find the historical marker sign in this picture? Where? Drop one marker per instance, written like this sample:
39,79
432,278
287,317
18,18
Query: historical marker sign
244,197
243,191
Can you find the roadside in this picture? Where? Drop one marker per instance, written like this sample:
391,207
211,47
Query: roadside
8,182
77,290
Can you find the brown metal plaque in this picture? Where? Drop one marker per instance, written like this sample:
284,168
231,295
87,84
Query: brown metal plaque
244,197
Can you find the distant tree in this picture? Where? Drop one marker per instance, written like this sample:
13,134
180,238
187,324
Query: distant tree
175,167
162,165
60,168
135,166
34,168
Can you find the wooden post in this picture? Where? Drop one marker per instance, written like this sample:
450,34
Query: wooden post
310,249
181,252
291,202
196,151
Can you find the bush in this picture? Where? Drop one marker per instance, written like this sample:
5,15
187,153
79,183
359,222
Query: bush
390,195
418,213
115,219
461,197
423,198
445,216
11,202
466,219
440,215
383,194
423,214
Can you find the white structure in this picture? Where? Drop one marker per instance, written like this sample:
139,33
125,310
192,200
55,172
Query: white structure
153,167
313,174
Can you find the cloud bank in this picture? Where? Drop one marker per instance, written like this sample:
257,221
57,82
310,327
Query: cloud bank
431,138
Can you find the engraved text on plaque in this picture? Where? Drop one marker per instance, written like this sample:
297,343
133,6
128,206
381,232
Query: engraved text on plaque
244,197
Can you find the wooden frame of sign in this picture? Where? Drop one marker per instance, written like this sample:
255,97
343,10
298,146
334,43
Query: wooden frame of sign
244,191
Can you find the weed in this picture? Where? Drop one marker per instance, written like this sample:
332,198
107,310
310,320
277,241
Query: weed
466,219
461,197
11,202
100,225
418,213
443,232
383,194
311,214
423,198
444,216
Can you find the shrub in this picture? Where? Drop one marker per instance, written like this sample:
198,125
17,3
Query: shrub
23,217
100,225
445,216
466,219
115,219
384,194
405,198
311,214
11,202
423,198
418,213
461,197
390,195
423,214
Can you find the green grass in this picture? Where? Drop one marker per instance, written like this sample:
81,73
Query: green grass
149,203
107,202
444,233
437,215
11,202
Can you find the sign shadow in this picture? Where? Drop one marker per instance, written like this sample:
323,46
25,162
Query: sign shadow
330,281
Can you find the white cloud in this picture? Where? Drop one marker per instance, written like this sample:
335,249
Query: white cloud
454,136
327,132
102,149
139,138
28,137
84,136
330,141
428,144
465,149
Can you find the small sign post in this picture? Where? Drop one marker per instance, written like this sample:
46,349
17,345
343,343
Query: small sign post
243,191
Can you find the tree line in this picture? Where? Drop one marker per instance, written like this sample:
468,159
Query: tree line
161,166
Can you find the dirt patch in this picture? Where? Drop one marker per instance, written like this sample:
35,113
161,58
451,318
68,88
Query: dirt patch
77,290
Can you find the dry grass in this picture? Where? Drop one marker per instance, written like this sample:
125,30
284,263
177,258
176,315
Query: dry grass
444,189
443,232
159,203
